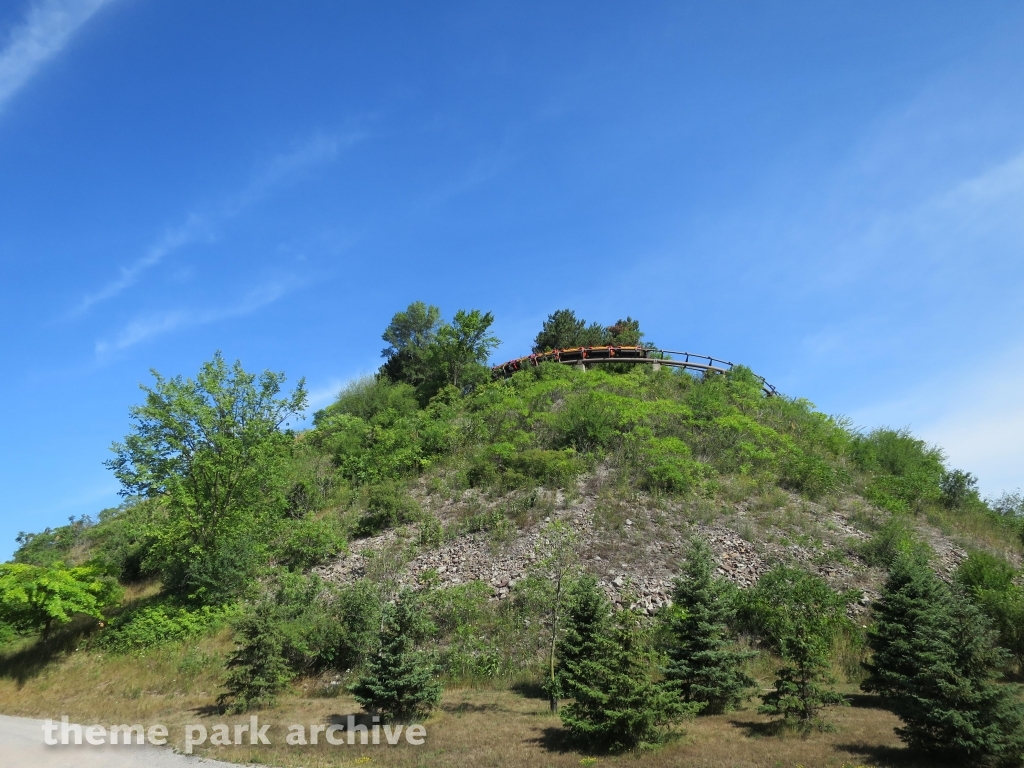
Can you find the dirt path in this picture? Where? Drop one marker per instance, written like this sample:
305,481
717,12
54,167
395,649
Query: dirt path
22,746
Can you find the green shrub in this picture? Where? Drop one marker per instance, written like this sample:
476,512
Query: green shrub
368,397
664,463
811,475
907,472
782,598
298,625
588,421
52,545
510,467
895,537
387,505
154,625
35,597
958,489
799,616
455,607
310,542
984,571
989,580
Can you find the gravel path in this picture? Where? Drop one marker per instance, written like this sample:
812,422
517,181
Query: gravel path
22,746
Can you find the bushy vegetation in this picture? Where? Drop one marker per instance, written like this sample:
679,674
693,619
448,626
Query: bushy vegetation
150,626
228,512
799,616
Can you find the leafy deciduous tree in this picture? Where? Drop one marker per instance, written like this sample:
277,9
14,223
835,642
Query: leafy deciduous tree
40,597
212,449
459,350
409,335
557,568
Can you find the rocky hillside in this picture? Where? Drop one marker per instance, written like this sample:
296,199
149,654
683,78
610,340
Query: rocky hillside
634,547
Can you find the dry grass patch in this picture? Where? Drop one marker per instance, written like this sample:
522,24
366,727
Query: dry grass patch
473,727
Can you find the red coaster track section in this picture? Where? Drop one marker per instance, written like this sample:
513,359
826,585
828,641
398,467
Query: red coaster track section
584,357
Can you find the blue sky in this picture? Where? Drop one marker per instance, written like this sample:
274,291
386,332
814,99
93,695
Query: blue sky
831,193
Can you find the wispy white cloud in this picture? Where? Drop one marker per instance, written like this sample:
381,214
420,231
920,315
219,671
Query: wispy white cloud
322,396
975,415
191,230
202,226
319,149
146,327
47,28
325,395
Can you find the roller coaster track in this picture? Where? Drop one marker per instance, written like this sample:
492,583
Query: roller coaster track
584,357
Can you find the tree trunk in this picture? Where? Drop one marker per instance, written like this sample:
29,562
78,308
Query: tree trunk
554,635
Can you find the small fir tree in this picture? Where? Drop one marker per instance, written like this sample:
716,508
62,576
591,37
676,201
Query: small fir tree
400,682
704,665
616,706
258,669
912,599
935,661
587,613
803,686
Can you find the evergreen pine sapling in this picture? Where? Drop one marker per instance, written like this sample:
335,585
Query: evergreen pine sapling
585,623
258,669
935,661
952,705
912,599
803,685
616,705
704,665
400,682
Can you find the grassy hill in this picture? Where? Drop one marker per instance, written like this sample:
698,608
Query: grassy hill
238,531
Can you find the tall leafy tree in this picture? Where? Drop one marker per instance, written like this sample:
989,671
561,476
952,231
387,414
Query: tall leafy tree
400,682
625,333
409,335
457,355
212,449
36,597
704,664
615,704
562,330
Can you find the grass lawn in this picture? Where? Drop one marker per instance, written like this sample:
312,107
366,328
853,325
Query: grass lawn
492,726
